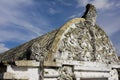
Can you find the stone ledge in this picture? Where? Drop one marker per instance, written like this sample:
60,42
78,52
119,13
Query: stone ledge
51,73
115,66
97,69
8,75
82,63
50,78
52,64
27,63
91,75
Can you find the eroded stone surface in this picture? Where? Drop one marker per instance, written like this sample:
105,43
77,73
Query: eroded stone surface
85,42
29,63
90,14
79,49
79,39
66,73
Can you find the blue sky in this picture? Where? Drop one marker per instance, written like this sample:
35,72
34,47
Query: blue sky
23,20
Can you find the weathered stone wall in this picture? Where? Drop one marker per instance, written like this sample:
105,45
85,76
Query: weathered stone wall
77,70
61,70
21,70
80,49
85,42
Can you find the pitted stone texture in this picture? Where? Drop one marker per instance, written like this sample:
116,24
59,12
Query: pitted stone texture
113,75
85,42
90,14
66,73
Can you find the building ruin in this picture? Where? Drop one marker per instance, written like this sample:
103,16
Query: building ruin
79,50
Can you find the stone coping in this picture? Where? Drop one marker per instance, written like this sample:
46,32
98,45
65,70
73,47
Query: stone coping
82,63
30,63
24,63
52,64
116,66
92,69
59,63
8,75
92,75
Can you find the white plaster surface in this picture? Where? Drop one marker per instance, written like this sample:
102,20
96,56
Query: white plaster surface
51,73
23,72
91,74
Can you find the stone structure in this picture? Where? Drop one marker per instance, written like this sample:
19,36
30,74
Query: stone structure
79,50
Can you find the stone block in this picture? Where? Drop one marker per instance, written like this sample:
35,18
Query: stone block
30,63
8,75
51,73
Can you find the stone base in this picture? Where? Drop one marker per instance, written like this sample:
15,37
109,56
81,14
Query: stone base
62,69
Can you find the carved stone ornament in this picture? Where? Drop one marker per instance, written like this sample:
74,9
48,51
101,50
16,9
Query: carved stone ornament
86,41
66,73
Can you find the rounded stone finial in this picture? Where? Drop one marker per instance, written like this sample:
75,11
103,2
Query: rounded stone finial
90,14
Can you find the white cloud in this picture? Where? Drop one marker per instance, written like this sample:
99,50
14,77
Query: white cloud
108,20
103,4
66,3
111,28
74,15
11,12
118,5
117,48
3,48
109,23
53,11
99,4
6,35
82,3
